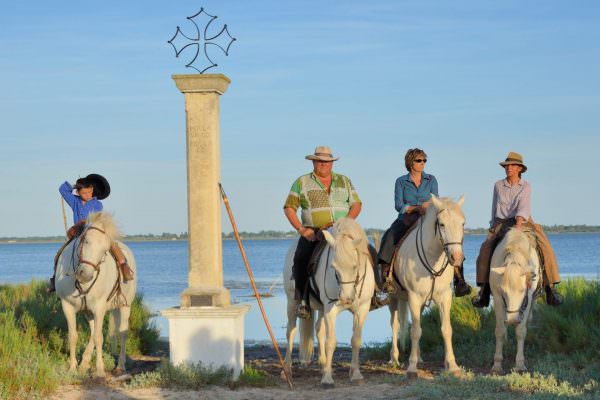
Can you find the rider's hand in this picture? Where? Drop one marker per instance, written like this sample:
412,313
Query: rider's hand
307,233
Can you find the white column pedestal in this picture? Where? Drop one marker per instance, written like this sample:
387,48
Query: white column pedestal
213,336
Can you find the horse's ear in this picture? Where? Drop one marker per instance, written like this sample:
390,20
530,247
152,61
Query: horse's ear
436,201
329,237
461,201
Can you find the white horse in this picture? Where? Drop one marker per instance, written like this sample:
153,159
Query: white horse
424,268
87,279
345,281
514,276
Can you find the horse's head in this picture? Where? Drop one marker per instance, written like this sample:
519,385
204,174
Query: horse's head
516,273
449,226
94,244
350,245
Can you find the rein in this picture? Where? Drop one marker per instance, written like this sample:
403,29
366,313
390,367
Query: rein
358,280
422,254
84,292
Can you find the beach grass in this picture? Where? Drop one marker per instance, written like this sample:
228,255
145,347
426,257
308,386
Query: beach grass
33,340
562,350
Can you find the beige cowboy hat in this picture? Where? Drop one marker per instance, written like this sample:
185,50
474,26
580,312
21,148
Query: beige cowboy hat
322,153
514,159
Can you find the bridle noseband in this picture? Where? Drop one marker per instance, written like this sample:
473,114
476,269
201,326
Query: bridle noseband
80,249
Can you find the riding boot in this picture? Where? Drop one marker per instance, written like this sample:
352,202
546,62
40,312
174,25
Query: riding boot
552,297
51,286
119,257
303,310
388,285
483,298
380,298
461,287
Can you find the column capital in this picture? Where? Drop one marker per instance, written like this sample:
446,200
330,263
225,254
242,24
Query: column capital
202,83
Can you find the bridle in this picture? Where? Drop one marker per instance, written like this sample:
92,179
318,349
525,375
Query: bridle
421,248
80,249
423,256
358,280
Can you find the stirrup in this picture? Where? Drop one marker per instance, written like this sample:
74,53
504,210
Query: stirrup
51,286
302,312
388,286
379,299
461,288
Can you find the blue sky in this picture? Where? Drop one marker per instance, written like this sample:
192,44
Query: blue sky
86,87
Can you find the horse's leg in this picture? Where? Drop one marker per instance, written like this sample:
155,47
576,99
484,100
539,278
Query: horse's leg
394,353
415,334
121,317
359,319
89,348
321,339
330,342
70,314
98,339
444,305
290,335
520,333
500,312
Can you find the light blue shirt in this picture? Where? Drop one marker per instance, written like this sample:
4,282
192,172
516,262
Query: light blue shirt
408,194
80,210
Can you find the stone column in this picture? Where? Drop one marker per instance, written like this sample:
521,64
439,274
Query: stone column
206,328
205,274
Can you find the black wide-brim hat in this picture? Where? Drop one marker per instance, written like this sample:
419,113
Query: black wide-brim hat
101,186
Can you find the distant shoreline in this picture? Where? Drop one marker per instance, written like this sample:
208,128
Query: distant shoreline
276,235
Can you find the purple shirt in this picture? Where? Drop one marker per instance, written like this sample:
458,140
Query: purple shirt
80,210
511,201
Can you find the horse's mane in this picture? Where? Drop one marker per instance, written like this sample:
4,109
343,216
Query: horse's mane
105,221
516,254
447,203
348,228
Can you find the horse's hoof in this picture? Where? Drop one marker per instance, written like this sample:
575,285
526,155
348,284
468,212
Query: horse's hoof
412,375
520,370
118,372
496,371
282,375
358,382
327,385
457,373
99,379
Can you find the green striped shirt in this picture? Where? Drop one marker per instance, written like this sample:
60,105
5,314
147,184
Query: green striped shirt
320,208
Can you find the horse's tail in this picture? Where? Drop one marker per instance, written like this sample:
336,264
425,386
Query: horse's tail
403,320
307,345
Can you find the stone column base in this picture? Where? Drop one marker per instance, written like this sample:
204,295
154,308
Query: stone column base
213,336
205,296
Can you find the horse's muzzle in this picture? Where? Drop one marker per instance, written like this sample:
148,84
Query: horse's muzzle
513,319
83,274
456,258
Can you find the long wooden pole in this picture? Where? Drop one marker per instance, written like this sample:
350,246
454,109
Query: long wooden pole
62,202
256,294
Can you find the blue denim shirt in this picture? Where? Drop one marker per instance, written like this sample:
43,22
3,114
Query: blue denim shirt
80,210
408,194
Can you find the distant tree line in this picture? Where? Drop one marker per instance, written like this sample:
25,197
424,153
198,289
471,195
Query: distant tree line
263,235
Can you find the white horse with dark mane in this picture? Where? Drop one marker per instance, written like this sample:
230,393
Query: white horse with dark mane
514,276
424,270
344,281
88,280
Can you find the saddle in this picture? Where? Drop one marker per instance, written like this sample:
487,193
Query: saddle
411,220
312,288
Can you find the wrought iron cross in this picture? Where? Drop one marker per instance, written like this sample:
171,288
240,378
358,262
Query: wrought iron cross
223,42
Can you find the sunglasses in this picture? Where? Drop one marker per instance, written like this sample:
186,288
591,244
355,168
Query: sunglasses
420,160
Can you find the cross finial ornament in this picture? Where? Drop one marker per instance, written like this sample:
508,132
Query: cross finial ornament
203,38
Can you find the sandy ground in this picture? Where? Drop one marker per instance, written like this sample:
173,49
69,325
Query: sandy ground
377,384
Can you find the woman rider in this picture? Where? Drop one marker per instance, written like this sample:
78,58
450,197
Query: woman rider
412,197
511,207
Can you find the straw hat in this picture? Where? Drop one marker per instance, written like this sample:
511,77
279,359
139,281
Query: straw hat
322,153
514,159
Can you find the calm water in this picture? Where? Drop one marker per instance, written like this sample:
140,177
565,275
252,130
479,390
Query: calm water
162,275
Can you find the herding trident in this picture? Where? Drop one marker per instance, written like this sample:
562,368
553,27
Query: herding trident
256,294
